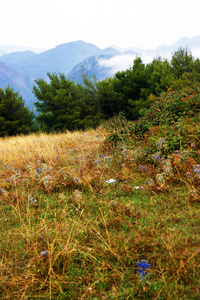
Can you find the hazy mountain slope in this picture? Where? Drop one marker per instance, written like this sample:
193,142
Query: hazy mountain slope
16,58
16,48
69,58
18,81
60,59
102,66
91,67
2,52
165,51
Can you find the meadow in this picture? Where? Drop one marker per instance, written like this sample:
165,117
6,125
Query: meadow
70,232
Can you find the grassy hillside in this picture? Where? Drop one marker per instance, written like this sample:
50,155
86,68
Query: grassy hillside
68,232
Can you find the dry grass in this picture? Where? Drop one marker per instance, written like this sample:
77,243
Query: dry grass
67,234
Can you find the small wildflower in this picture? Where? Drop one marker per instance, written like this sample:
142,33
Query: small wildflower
196,169
124,152
44,254
78,195
160,142
189,175
156,156
160,178
39,170
107,159
132,160
3,191
143,169
77,179
96,162
31,199
150,182
143,267
167,167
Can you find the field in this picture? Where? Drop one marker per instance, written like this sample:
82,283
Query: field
69,232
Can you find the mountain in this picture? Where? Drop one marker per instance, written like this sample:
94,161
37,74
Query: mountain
165,51
102,66
2,52
91,67
16,58
15,48
20,69
25,66
18,81
60,59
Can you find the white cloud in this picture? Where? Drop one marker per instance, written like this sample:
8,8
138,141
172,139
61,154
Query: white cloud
118,63
122,62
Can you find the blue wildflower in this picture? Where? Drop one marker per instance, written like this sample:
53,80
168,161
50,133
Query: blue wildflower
31,199
143,267
143,169
39,170
156,156
107,159
96,162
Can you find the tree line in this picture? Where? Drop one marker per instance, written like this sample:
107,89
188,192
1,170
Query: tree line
63,105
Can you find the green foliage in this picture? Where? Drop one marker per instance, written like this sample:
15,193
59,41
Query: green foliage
63,105
131,91
170,124
126,92
15,118
183,62
171,107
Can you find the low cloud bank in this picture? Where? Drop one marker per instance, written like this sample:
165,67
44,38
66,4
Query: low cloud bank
118,63
123,62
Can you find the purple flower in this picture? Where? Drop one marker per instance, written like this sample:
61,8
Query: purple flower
44,254
143,267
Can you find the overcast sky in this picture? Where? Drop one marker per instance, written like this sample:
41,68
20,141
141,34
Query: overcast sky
126,23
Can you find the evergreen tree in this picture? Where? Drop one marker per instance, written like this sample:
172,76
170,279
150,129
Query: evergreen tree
15,118
63,105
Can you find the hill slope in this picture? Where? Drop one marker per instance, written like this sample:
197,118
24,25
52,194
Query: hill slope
18,81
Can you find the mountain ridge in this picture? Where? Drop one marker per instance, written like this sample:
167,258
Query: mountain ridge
68,58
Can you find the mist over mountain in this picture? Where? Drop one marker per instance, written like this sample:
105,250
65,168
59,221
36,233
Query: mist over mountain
20,67
102,66
165,51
